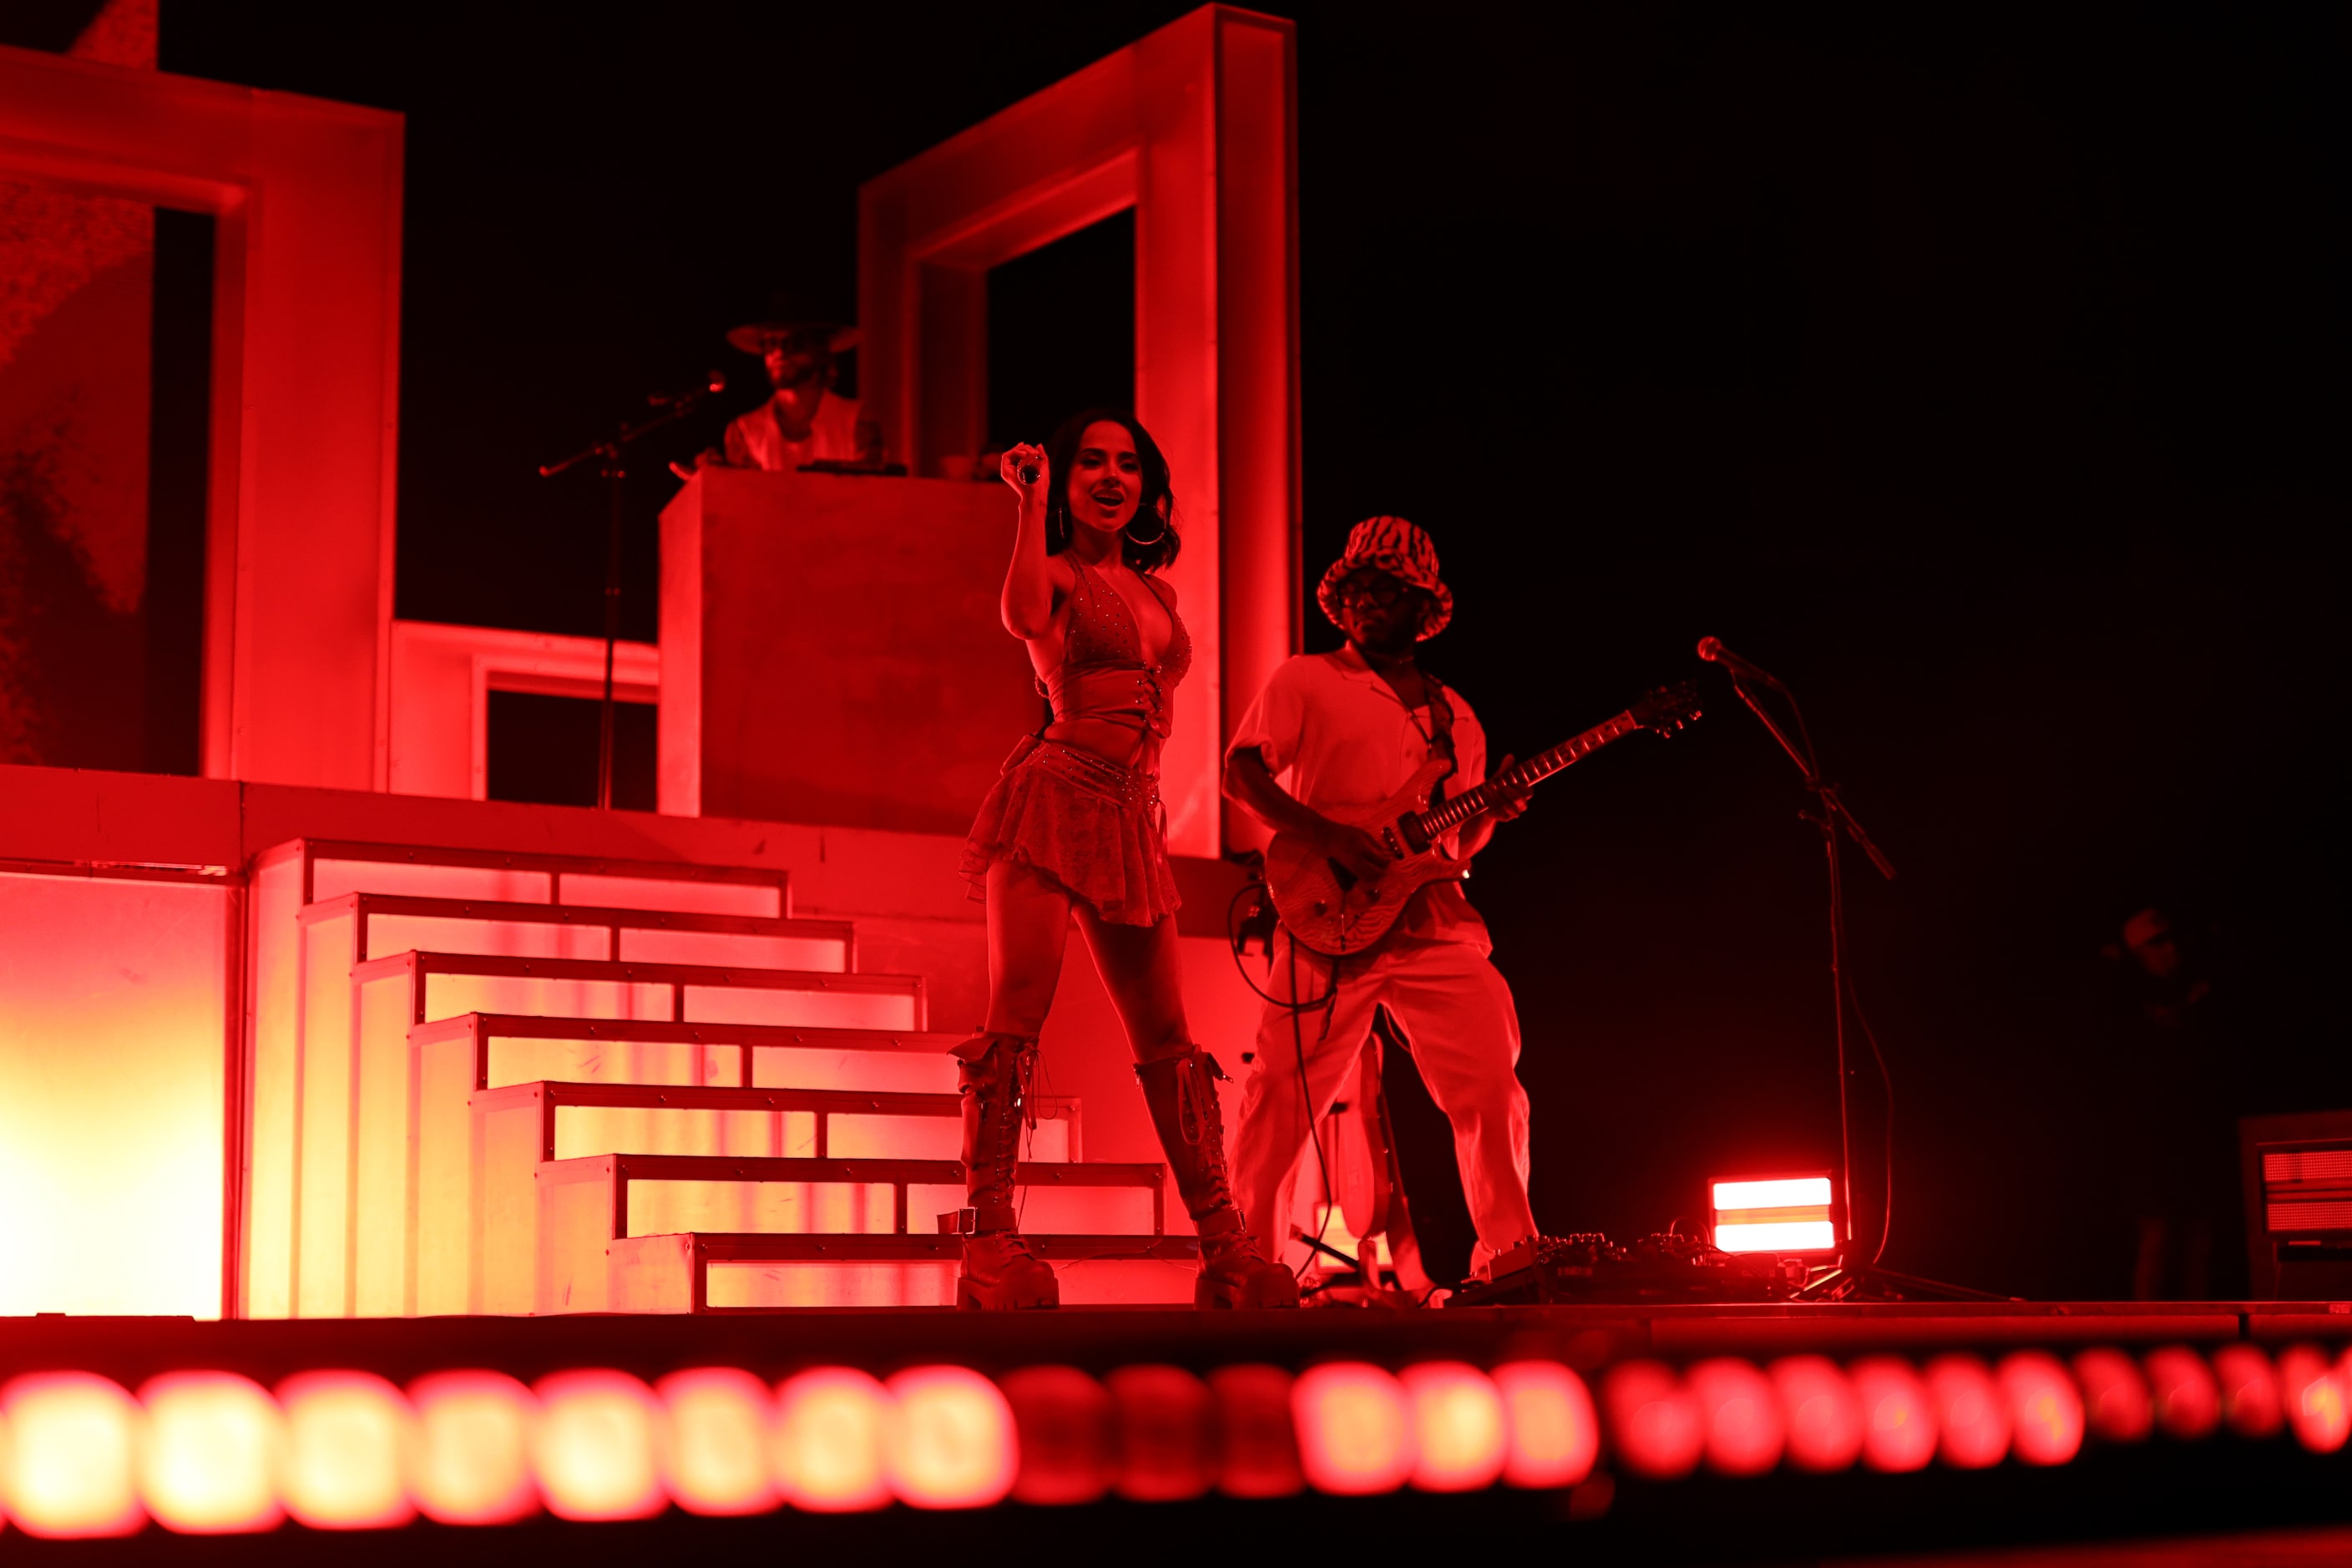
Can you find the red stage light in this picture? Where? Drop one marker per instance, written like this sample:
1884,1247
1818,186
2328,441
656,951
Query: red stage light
1256,1435
1653,1422
1063,1418
829,1436
1166,1434
592,1447
1773,1213
713,1441
208,1460
345,1432
1740,1415
1554,1434
469,1455
2045,1412
1970,1412
2250,1390
2187,1402
2314,1394
1899,1429
948,1439
2116,1408
1818,1415
1355,1431
1459,1443
71,1458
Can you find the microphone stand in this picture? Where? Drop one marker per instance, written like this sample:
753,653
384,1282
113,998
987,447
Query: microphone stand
608,455
1853,1275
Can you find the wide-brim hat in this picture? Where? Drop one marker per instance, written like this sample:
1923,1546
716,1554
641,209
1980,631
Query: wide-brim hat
1393,545
754,337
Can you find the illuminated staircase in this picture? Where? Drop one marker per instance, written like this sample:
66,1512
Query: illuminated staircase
496,1083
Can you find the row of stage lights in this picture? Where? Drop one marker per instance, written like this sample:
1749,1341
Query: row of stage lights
211,1452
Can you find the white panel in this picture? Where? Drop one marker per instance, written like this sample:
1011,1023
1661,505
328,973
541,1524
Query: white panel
113,1040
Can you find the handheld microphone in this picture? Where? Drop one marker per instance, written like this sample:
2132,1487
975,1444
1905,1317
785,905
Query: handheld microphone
1712,650
1028,472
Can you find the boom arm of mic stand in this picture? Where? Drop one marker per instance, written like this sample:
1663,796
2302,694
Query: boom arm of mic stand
1832,806
628,434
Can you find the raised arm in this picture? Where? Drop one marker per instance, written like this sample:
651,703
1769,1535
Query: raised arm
1027,605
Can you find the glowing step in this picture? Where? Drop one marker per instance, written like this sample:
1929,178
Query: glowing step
719,1271
361,1107
487,1051
479,1171
354,927
586,1204
318,869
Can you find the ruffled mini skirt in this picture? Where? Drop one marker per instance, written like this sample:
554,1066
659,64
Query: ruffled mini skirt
1088,825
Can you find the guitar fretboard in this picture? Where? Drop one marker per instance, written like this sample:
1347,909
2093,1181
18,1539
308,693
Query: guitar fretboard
1470,803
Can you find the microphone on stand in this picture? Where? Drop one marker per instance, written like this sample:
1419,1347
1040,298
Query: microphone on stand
1712,650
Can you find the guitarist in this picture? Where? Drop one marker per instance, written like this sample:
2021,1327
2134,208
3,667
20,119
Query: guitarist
1334,731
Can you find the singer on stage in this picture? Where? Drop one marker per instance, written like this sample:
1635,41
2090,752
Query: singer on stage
1349,729
1075,827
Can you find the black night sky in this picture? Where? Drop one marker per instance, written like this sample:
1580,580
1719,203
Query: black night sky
1975,377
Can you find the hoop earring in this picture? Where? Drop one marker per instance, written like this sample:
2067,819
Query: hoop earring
1145,543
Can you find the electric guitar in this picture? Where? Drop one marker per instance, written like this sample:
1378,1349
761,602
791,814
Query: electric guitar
1330,911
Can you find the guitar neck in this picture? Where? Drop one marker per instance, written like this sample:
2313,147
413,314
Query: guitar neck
1471,802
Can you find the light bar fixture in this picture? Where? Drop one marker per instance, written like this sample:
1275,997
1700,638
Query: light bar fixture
1773,1213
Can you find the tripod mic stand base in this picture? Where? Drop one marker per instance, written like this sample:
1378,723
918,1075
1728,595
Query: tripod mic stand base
1854,1280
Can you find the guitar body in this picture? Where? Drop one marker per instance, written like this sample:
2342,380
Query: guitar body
1329,910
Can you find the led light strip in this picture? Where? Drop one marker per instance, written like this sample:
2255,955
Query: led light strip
211,1452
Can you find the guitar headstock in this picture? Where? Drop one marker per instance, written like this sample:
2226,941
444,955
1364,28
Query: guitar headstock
1667,709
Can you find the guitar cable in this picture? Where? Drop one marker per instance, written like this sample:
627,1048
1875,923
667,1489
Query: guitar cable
1328,1002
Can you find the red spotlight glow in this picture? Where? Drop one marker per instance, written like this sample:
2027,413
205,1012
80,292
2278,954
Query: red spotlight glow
1740,1415
1459,1443
2045,1412
829,1435
208,1460
592,1447
1554,1435
469,1453
1773,1213
713,1443
948,1439
1166,1433
1355,1431
2116,1403
1819,1416
2188,1401
1899,1429
1256,1437
2314,1394
73,1441
1653,1422
2250,1390
345,1432
1970,1412
1064,1420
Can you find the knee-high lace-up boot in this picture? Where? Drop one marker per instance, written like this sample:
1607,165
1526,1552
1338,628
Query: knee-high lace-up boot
1000,1269
1181,1092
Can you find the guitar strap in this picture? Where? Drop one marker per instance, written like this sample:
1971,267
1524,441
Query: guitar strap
1441,729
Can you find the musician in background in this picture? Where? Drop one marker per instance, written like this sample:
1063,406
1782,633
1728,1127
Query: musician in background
803,420
1348,730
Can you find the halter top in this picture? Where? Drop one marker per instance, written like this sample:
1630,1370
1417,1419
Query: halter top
1102,674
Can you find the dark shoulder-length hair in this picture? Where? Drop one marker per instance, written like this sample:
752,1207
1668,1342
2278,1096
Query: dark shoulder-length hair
1142,545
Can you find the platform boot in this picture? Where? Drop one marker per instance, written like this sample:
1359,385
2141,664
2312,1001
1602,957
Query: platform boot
1181,1092
1001,1270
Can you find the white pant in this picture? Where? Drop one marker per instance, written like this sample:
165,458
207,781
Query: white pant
1454,1011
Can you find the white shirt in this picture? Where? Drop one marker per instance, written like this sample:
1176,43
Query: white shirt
756,440
1336,736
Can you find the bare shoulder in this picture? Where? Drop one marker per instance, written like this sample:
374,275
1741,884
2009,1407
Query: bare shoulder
1161,585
